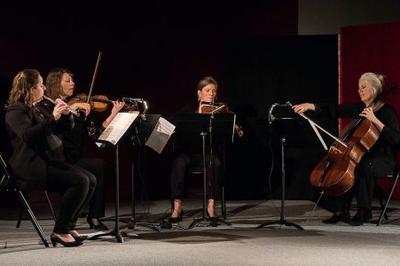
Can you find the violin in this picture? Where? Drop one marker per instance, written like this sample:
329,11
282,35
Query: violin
218,107
212,108
101,103
98,103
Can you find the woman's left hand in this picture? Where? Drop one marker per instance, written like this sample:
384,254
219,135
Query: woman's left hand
117,106
368,113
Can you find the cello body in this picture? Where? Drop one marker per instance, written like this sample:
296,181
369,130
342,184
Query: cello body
335,173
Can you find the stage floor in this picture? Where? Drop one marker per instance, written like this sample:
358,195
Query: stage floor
237,244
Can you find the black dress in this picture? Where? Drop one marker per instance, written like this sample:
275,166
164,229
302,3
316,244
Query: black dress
380,160
188,155
73,142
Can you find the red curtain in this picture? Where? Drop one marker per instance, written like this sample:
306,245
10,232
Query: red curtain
370,48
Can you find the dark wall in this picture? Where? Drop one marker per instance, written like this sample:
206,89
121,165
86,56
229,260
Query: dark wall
159,51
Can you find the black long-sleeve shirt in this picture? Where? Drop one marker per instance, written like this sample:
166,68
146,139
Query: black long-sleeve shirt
383,151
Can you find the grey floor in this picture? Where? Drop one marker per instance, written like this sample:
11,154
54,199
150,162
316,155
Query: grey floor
237,244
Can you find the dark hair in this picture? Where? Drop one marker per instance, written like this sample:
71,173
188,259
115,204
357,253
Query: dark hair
22,84
205,81
53,82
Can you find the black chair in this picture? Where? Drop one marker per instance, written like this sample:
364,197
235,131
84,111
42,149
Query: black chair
8,182
198,171
393,179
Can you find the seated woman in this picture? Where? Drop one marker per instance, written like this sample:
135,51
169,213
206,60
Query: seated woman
186,155
38,159
379,160
60,84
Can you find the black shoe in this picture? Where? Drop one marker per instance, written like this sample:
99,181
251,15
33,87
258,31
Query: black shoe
213,221
174,220
165,225
79,237
56,239
96,224
362,215
338,217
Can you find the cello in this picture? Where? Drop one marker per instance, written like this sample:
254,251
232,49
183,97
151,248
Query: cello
335,173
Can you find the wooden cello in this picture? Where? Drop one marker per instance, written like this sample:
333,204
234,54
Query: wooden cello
335,173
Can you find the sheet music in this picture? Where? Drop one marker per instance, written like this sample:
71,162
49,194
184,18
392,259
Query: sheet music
160,135
118,126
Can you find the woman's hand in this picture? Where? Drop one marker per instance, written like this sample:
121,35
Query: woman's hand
81,106
59,109
117,106
303,107
239,131
368,113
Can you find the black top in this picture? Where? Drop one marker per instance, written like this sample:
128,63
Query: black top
383,151
33,135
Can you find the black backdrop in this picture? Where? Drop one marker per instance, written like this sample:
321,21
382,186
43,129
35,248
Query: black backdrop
160,51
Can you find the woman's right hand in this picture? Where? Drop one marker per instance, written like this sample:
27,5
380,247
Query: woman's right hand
303,107
60,108
81,106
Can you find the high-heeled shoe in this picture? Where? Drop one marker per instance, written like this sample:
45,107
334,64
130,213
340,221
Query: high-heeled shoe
96,224
56,239
174,220
78,237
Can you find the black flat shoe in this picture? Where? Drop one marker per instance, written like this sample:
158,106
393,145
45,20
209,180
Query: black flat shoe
96,224
56,239
338,217
213,221
361,216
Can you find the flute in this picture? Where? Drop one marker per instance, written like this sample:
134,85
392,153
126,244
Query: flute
72,111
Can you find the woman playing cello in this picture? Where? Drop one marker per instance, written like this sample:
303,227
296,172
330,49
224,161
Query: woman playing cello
379,160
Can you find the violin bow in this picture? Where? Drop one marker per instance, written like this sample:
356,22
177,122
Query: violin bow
94,76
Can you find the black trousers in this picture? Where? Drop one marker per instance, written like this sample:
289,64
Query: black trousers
180,166
367,173
76,185
96,166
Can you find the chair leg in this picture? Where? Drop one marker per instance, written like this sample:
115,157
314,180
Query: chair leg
34,221
53,213
223,203
21,212
382,207
383,212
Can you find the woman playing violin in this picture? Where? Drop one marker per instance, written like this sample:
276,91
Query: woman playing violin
379,160
187,155
60,85
37,158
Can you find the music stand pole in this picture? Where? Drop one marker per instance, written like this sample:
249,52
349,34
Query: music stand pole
116,231
282,220
132,220
203,220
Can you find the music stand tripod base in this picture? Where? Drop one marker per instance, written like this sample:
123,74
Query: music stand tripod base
282,220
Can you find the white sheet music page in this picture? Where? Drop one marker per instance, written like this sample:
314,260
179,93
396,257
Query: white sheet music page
160,135
118,126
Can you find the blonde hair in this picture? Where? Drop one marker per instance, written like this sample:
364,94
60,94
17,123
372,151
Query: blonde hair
22,84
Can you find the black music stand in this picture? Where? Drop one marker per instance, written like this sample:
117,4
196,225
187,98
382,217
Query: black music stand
116,231
220,129
282,220
111,136
138,134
